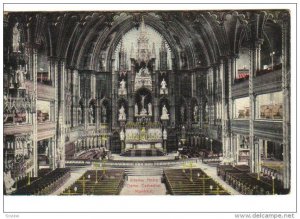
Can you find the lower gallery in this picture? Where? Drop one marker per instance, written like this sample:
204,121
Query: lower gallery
147,103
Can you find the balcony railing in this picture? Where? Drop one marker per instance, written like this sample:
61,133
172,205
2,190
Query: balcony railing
269,70
44,91
266,81
239,80
45,130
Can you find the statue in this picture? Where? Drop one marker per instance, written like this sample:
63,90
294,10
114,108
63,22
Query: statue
103,112
143,71
91,114
163,84
136,109
11,82
143,100
16,38
143,112
165,115
122,89
182,113
122,135
8,182
164,110
163,89
195,113
165,135
149,108
122,85
20,77
143,134
122,115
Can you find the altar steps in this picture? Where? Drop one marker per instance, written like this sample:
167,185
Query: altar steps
144,171
142,153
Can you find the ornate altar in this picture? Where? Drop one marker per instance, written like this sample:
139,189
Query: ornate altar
139,135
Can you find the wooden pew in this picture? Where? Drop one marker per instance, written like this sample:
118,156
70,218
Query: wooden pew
45,184
191,182
108,182
240,178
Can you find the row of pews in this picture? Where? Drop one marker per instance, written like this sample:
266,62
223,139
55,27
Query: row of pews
191,182
98,182
47,183
26,180
273,169
240,178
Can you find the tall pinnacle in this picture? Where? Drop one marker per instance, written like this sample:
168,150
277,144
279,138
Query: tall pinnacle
163,46
132,53
143,27
122,45
153,50
143,31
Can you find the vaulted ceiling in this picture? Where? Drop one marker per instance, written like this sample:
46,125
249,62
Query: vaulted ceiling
202,36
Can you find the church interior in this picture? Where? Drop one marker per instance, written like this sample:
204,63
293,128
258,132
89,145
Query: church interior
147,103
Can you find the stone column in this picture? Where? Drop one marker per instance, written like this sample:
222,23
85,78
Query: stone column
130,95
171,92
56,112
286,103
251,106
216,72
93,86
74,99
52,151
258,56
254,54
172,111
265,149
193,79
130,109
224,110
97,119
257,155
260,152
154,84
132,77
114,95
234,147
156,110
231,75
188,111
86,102
61,115
51,69
34,114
